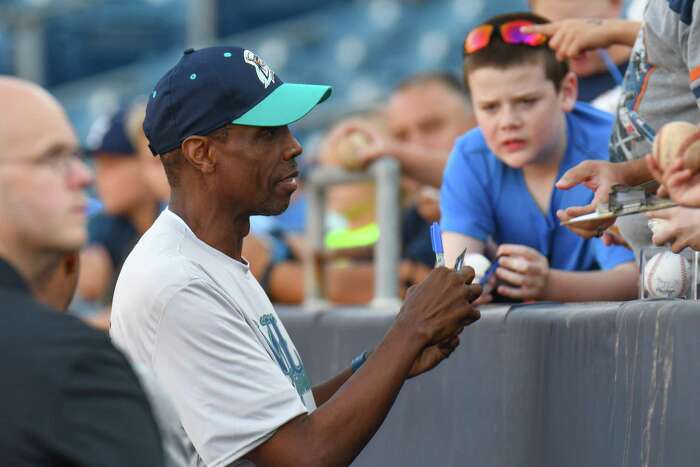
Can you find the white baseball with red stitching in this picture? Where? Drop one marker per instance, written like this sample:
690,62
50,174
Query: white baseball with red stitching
667,275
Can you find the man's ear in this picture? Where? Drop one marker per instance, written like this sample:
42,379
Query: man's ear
196,150
568,92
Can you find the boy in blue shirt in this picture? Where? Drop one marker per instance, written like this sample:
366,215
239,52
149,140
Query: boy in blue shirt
499,180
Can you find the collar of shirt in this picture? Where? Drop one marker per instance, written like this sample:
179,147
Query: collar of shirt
11,279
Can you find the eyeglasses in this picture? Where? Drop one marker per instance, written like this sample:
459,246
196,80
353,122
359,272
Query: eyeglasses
480,36
61,162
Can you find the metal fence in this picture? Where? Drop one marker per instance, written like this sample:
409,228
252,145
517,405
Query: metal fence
385,173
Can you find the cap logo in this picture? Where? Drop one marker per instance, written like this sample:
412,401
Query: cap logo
265,74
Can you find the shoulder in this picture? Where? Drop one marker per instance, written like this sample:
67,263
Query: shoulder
472,142
590,131
103,227
471,153
35,339
103,220
588,116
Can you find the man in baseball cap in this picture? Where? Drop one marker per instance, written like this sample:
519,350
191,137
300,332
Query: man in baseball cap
187,307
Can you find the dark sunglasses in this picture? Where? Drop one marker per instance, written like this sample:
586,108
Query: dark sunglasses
480,36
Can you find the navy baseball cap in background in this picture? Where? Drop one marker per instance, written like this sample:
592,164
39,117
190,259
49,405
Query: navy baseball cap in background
209,88
107,137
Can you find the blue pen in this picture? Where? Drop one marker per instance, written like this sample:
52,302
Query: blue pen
436,240
489,272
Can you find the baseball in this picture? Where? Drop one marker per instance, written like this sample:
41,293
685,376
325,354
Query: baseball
347,148
667,275
479,263
678,140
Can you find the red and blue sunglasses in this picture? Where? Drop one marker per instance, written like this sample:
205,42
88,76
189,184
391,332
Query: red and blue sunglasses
480,36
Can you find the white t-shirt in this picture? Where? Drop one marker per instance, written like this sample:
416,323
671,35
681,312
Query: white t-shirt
203,325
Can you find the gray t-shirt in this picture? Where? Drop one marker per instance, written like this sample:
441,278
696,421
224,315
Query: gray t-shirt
202,325
662,84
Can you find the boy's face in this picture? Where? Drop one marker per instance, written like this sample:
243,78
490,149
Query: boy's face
520,112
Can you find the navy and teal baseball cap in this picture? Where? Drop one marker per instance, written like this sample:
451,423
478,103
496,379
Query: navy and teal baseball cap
209,88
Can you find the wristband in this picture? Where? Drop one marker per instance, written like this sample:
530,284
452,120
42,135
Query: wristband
358,361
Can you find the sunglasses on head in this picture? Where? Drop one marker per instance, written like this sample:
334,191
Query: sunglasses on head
480,36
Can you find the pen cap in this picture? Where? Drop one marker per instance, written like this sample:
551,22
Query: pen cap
436,237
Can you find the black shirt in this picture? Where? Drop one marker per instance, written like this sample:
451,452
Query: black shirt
67,396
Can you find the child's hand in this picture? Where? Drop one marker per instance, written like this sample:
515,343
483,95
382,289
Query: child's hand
680,228
572,37
525,269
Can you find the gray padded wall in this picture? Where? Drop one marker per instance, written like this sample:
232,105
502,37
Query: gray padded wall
544,385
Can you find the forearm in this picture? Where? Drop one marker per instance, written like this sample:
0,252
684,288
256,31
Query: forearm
417,164
634,172
324,391
625,31
617,284
337,431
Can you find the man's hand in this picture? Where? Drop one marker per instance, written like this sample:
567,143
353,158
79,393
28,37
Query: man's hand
439,308
433,355
677,182
375,143
570,38
598,176
525,269
678,227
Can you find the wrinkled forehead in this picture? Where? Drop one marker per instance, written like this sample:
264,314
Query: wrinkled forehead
416,102
33,122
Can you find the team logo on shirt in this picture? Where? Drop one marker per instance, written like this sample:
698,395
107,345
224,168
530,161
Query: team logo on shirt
291,365
265,74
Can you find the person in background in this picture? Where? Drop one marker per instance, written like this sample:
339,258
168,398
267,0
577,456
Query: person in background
598,71
132,190
68,397
424,115
499,181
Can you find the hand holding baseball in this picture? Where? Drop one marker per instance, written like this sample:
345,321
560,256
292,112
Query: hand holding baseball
675,162
525,269
678,228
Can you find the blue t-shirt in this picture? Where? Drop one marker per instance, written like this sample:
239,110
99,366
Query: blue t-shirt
482,197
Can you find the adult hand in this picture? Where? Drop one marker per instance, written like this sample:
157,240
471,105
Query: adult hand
598,176
525,269
570,38
371,144
679,228
678,183
433,355
439,308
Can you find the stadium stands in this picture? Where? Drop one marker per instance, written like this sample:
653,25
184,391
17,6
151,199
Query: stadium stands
362,48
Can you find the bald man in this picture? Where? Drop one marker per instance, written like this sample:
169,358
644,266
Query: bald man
68,397
425,114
